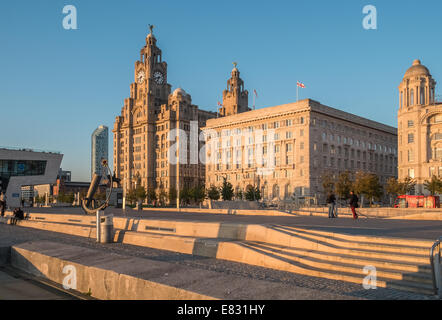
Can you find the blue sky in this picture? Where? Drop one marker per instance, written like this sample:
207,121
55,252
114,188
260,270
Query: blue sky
50,77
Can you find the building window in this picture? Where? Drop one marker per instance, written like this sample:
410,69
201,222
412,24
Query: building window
410,156
411,97
410,123
437,154
410,138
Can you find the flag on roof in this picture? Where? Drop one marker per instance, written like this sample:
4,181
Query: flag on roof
300,84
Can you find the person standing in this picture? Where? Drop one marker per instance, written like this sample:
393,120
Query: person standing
354,204
331,201
2,204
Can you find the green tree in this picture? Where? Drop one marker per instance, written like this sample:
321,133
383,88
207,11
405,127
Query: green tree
185,196
368,184
343,185
172,195
407,186
140,192
213,193
151,195
198,194
131,196
252,194
239,195
227,190
393,187
162,197
434,185
328,183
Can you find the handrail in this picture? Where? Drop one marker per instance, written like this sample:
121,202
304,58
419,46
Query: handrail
433,271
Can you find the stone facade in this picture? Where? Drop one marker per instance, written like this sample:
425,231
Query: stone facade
419,127
285,150
141,132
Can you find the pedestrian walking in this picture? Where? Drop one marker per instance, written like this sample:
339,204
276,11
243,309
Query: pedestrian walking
331,201
354,204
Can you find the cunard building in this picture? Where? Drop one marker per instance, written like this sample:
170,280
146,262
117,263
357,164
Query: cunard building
285,150
149,115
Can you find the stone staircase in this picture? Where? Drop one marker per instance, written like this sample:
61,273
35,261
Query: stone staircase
400,263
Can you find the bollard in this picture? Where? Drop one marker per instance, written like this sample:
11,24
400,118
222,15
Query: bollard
438,272
97,225
107,229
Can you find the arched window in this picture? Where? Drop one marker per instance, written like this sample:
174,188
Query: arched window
401,99
422,101
411,97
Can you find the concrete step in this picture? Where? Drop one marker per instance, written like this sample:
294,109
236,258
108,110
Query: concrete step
324,264
390,248
354,259
361,238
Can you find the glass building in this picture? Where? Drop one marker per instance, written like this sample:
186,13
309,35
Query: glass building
100,148
26,168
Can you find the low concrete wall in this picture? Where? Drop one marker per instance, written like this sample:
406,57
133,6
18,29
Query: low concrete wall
5,255
104,276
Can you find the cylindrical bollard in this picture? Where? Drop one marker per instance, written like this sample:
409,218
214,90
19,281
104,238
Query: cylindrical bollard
107,229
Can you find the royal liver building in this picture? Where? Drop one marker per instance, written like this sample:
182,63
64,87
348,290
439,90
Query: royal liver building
141,132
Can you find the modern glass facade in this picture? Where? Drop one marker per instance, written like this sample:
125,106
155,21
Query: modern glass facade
22,167
14,168
100,147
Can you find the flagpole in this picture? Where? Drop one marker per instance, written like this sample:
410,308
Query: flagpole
297,92
254,99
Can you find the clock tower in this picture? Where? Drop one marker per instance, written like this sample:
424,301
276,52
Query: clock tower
151,75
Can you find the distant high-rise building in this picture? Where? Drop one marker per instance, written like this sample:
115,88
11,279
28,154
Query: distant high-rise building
100,146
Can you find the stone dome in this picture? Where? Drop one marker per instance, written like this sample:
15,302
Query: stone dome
179,91
417,69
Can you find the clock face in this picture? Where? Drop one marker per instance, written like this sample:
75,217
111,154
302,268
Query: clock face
141,77
158,77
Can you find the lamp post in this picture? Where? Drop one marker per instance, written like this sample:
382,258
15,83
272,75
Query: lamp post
178,168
